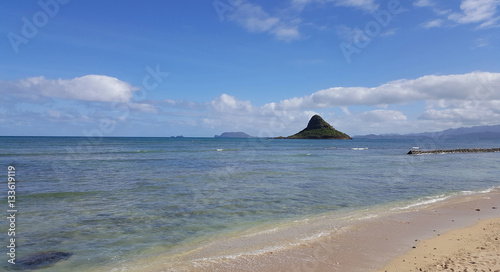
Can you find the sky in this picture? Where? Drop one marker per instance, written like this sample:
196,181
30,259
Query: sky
201,67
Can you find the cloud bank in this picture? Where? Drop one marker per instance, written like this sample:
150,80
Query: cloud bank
427,103
449,101
472,86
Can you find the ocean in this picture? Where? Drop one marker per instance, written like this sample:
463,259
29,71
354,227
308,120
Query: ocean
115,201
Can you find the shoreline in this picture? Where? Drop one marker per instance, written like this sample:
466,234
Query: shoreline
365,243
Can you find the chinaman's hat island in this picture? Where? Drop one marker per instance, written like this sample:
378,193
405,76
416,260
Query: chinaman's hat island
317,128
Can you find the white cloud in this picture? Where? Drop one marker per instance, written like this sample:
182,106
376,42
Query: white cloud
95,88
253,18
184,104
466,113
477,11
472,86
45,104
481,42
382,116
433,23
300,4
285,22
144,107
362,4
348,34
287,33
481,12
54,113
368,5
229,104
389,32
423,3
374,121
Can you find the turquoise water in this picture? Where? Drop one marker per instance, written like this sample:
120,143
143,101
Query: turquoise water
110,200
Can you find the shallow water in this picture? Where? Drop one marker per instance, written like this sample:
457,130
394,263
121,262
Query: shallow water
110,200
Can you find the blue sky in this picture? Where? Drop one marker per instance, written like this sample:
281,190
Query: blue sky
199,68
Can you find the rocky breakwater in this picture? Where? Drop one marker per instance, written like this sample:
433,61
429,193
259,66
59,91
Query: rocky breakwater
445,151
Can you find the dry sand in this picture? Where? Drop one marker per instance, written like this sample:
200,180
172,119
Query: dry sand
475,248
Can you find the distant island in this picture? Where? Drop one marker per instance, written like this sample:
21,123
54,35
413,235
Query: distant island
317,128
233,135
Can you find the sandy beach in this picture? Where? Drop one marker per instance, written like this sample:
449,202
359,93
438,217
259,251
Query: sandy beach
458,233
475,248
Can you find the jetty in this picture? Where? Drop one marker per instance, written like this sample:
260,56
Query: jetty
444,151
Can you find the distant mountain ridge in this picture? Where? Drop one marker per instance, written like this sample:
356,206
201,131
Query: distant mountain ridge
477,132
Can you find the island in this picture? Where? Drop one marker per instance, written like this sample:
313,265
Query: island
233,135
317,128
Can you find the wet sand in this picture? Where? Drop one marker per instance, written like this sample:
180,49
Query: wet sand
369,244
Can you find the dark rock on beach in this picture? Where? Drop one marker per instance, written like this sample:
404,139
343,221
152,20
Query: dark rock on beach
465,150
317,128
41,260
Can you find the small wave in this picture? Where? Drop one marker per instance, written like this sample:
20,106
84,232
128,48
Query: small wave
434,199
370,216
359,148
489,190
316,236
202,262
422,202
